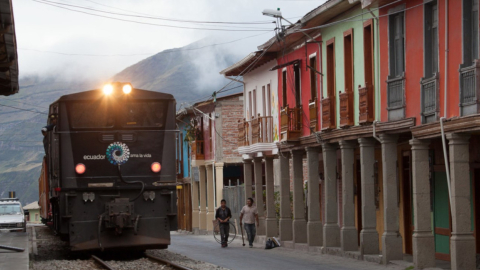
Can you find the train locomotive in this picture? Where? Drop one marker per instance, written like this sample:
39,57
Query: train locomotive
108,178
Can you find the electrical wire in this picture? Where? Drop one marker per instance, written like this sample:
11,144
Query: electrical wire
152,24
27,110
139,54
42,107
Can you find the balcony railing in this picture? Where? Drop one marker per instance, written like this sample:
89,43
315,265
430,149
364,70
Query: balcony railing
198,150
328,113
291,123
396,98
346,109
470,89
430,99
258,130
312,107
366,104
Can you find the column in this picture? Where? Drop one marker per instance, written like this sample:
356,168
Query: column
349,234
285,224
195,206
392,245
203,199
423,241
219,182
299,222
368,234
314,225
462,242
247,178
257,167
331,231
271,220
210,198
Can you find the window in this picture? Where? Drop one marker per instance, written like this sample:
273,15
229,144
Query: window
470,31
90,115
348,59
269,103
143,114
431,39
254,109
298,90
397,45
313,78
331,68
264,104
210,131
368,52
36,217
284,88
250,103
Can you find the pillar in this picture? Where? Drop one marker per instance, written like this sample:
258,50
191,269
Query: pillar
203,199
331,231
299,222
258,169
314,225
247,178
195,206
368,234
462,242
392,245
210,198
271,220
285,224
423,241
219,182
349,234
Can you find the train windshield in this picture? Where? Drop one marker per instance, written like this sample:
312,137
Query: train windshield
91,115
143,114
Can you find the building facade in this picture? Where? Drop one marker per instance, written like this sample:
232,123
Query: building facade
379,100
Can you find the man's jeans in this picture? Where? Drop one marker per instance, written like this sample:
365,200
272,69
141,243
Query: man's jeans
224,232
251,231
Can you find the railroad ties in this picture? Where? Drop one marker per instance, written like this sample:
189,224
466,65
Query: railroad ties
153,258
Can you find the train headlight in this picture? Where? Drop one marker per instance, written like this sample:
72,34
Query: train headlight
156,167
108,89
80,168
127,88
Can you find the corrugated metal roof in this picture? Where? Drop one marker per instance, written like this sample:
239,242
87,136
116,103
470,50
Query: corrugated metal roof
240,67
8,50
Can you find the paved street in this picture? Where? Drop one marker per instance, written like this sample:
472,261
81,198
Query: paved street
205,248
13,260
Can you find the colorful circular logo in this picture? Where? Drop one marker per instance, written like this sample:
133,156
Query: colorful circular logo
118,153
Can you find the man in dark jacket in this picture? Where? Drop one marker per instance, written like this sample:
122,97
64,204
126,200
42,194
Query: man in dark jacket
223,215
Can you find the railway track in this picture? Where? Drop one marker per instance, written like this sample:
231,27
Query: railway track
156,259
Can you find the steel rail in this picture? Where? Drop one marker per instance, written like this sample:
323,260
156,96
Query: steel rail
102,262
12,248
168,263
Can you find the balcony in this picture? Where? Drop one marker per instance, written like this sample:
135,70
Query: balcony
257,130
396,98
291,123
366,104
328,113
312,108
430,99
470,89
346,109
198,150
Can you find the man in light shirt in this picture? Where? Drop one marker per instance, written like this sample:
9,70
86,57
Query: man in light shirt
249,215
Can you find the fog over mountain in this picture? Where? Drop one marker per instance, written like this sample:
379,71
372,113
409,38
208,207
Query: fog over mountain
189,73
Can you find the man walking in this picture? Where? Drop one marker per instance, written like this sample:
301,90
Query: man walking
222,215
250,213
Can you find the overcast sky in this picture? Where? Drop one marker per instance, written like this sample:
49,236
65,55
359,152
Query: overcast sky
43,27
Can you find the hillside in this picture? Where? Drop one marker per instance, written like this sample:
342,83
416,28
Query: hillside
187,73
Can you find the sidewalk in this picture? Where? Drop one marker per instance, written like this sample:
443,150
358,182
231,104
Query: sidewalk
205,248
13,260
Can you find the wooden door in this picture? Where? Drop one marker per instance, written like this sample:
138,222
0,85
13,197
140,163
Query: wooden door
358,193
407,202
180,209
188,207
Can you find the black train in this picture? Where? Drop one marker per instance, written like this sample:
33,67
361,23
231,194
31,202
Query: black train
109,178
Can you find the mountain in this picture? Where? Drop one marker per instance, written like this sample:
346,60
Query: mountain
189,73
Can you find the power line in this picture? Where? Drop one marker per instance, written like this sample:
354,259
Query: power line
42,107
150,16
153,24
140,54
27,110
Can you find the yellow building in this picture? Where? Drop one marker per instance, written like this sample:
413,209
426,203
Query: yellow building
33,213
